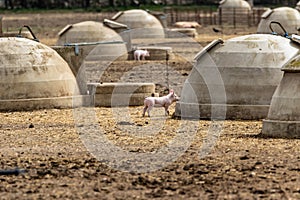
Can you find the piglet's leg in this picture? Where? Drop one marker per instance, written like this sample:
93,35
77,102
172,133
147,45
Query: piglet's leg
166,110
144,110
149,110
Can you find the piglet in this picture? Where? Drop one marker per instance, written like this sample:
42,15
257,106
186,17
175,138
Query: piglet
141,54
164,101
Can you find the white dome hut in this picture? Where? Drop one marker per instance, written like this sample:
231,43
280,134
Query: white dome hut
298,6
234,12
284,114
239,76
34,76
149,25
89,34
288,17
235,4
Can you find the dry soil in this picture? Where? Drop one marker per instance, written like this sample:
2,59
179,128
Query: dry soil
54,149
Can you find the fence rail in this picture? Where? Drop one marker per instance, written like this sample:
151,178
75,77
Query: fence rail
223,17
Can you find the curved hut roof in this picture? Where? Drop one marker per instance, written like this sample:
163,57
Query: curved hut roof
33,76
288,17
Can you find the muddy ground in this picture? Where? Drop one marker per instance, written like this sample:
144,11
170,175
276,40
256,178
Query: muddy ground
54,148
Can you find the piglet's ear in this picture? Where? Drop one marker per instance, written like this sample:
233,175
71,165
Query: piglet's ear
171,91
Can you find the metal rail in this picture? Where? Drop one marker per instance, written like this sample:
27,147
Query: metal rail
93,43
76,45
286,34
20,33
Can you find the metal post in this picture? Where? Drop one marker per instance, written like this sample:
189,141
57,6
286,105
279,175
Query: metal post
249,18
220,16
234,22
1,33
167,69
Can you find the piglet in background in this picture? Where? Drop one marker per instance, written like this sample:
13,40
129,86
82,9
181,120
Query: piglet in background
164,101
141,54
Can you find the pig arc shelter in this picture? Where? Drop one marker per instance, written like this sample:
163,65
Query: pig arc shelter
284,114
34,76
88,33
233,12
146,25
235,79
289,18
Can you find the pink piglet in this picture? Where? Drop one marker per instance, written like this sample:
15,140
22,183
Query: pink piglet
141,54
164,101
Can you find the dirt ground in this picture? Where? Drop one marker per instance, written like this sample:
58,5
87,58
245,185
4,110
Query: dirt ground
53,147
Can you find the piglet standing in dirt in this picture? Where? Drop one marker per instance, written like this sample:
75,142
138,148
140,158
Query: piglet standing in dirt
141,54
164,101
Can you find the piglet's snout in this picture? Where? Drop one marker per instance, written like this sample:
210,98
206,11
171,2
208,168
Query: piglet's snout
175,98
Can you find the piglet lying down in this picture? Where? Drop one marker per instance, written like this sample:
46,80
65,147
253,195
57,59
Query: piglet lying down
164,101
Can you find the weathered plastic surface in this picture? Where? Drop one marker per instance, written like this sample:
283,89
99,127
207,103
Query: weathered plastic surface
288,17
237,79
89,33
146,25
284,114
235,4
233,12
33,76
